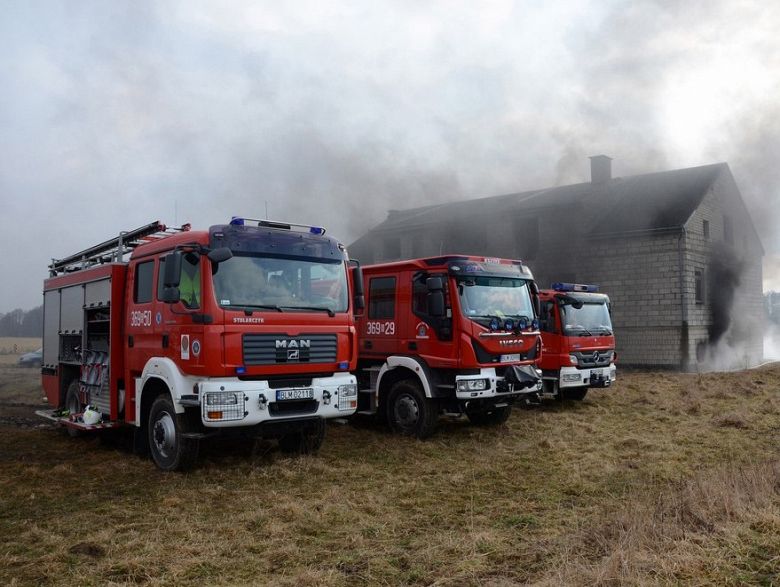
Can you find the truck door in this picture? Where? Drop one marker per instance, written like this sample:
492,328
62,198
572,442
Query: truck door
431,337
140,342
382,327
178,331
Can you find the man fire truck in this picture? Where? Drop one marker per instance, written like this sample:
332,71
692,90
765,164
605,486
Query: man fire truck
246,326
578,344
454,334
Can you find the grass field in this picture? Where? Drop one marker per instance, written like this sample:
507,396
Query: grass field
665,478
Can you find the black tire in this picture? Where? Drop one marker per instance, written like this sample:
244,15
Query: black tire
169,449
574,393
74,406
492,417
409,412
305,442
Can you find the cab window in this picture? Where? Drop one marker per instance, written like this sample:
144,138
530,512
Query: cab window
381,295
144,274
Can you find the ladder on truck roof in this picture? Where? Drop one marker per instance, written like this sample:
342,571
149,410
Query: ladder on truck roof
113,250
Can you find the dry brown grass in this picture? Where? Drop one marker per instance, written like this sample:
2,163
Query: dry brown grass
652,481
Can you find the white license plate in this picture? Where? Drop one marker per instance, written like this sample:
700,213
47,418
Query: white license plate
288,394
510,358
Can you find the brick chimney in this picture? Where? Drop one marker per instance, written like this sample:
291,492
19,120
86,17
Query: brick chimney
600,169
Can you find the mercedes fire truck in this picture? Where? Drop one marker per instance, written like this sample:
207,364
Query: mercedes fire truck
578,345
247,326
454,334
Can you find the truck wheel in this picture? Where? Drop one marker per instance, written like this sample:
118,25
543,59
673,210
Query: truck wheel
409,412
491,417
73,405
574,393
305,442
170,451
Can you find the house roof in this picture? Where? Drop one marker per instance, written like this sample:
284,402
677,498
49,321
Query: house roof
653,201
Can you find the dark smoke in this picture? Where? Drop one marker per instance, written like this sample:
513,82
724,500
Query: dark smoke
725,271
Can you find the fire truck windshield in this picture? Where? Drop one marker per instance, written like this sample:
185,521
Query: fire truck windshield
253,281
481,297
589,319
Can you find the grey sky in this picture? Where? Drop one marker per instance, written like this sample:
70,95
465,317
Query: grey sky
114,114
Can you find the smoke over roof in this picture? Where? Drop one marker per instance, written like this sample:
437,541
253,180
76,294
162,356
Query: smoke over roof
116,114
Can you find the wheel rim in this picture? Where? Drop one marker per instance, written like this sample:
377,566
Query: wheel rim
164,434
406,411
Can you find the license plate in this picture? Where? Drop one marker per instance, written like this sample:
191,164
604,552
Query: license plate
510,358
288,394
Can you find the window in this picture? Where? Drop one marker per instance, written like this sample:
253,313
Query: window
420,292
381,295
144,275
547,317
728,231
698,278
706,228
189,280
161,279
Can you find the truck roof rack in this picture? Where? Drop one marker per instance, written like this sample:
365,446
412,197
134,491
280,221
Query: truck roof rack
113,250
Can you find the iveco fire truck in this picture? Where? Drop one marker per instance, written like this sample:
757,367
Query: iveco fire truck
578,344
246,326
454,334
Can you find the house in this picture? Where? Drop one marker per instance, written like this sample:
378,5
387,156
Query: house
676,251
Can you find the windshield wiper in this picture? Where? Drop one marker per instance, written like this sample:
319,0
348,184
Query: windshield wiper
250,307
330,312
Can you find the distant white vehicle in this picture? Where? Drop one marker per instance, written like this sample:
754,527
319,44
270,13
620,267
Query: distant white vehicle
32,359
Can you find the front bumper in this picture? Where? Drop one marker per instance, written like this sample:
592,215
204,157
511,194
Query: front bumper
495,386
255,402
595,377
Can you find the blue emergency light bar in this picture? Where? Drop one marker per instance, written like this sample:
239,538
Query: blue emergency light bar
240,221
558,286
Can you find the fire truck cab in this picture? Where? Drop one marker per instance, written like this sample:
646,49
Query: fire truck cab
578,342
246,326
454,334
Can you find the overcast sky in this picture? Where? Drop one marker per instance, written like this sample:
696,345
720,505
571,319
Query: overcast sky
114,114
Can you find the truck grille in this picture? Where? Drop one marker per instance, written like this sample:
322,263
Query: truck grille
593,358
275,349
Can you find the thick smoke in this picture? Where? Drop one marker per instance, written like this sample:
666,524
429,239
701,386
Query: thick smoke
117,114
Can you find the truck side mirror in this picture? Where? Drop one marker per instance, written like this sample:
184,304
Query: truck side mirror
359,298
434,284
171,278
220,255
436,304
535,297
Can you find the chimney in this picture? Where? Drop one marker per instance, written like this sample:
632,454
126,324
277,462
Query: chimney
600,169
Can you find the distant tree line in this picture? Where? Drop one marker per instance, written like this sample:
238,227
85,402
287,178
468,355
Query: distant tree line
20,323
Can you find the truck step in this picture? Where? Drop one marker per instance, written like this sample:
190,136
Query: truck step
71,422
366,412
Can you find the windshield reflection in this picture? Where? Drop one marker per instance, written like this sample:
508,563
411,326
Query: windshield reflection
589,319
262,282
495,296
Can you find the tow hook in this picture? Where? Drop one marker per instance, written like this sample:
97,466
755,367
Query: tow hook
262,402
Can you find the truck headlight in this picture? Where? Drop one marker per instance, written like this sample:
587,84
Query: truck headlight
221,398
573,359
347,397
473,384
348,390
572,377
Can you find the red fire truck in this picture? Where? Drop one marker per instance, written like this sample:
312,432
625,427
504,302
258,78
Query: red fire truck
454,334
578,344
246,326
